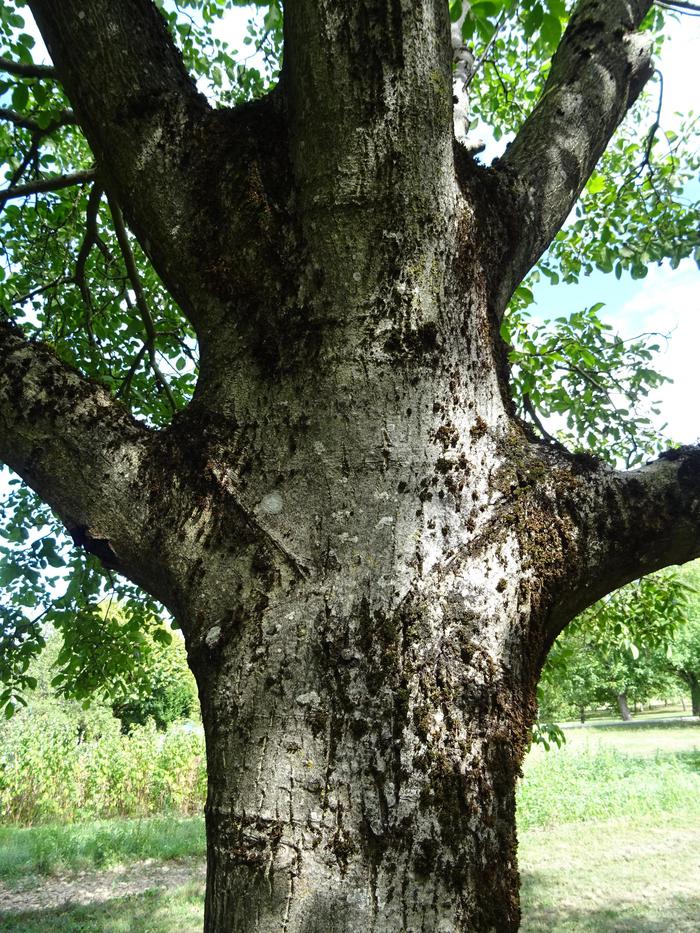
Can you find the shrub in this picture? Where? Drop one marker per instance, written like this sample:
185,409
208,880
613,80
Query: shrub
64,764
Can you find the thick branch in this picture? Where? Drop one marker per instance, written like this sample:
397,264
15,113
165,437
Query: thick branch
192,182
23,70
347,65
80,451
629,524
140,111
599,69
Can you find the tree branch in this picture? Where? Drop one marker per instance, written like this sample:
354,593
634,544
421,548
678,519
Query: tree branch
680,6
629,524
42,185
28,123
598,71
80,451
141,113
23,70
141,303
192,182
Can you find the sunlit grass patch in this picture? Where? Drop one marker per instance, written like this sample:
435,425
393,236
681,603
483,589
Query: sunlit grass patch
591,779
46,850
630,875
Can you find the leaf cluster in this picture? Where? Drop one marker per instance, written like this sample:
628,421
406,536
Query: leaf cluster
621,644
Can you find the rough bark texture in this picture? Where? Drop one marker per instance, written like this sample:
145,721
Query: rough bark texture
368,554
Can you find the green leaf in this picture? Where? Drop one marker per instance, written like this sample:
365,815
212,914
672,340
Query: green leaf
596,184
550,30
162,636
20,97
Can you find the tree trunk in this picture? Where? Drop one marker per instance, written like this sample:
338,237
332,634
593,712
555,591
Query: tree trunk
363,778
695,695
623,707
368,687
368,553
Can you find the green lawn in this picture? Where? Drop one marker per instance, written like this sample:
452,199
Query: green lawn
632,875
47,850
609,829
610,773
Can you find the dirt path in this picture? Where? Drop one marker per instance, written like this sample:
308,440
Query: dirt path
89,887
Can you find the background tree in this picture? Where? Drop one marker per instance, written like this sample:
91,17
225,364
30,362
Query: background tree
617,651
161,689
368,551
685,649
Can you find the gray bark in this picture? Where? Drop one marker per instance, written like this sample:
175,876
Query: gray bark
623,707
695,696
368,554
600,67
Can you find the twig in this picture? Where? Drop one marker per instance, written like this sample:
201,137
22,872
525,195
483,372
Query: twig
23,70
31,156
141,303
59,280
29,123
64,118
125,388
43,185
89,241
482,57
680,6
530,410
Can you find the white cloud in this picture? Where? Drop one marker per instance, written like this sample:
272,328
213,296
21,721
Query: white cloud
668,302
679,63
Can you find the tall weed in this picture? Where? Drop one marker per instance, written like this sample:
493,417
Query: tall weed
57,766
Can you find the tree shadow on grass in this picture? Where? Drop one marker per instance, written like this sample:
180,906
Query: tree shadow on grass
180,910
689,759
541,913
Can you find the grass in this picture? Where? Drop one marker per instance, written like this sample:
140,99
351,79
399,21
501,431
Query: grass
630,874
45,850
608,831
611,776
653,714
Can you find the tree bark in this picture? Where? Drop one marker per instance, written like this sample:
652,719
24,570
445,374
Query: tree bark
695,695
364,777
367,552
624,708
